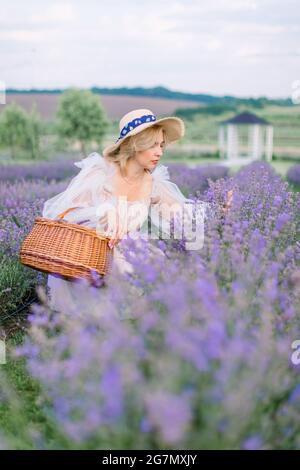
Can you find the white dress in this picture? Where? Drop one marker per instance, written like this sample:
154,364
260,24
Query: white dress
91,192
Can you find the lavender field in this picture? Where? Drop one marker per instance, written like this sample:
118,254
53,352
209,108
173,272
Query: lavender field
209,357
293,175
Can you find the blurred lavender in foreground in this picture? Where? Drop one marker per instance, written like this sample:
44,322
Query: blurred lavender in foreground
203,359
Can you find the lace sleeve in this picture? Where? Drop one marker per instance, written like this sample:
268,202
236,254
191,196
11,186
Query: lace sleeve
83,192
169,203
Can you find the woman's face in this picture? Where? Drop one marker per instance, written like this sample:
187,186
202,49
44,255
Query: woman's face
149,158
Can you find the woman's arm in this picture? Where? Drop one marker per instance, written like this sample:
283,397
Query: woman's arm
169,200
83,193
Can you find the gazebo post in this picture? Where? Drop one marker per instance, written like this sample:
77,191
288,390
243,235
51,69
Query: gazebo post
232,141
222,141
250,140
256,142
269,143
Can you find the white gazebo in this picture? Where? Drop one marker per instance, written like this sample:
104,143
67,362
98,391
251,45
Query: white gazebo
244,138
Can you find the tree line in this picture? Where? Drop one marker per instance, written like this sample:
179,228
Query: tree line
80,117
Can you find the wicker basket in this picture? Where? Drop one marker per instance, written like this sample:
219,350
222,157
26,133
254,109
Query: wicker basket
67,249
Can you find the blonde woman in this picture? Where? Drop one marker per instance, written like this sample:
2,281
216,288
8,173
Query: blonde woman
118,192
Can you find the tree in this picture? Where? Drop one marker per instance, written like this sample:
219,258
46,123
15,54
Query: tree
13,128
33,133
81,117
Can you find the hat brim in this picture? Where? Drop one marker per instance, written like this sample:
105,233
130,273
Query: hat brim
173,126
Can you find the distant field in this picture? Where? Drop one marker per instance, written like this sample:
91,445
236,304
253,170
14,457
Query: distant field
115,106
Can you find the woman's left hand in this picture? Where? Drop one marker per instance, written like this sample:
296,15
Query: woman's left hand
113,242
228,201
118,233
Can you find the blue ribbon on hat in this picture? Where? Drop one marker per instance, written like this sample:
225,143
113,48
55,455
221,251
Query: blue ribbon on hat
135,123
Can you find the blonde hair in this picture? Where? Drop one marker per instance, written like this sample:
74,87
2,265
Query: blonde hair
135,143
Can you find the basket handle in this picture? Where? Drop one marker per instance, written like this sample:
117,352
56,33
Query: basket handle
61,216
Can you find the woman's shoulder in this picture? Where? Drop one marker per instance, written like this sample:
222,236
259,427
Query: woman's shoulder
94,159
160,178
161,173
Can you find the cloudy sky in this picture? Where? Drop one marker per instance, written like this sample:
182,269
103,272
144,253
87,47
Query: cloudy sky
237,47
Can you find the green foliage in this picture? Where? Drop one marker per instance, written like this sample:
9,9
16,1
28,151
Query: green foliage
20,130
33,134
81,117
13,128
26,417
21,418
17,287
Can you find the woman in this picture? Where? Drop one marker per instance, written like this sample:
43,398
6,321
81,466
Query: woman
119,192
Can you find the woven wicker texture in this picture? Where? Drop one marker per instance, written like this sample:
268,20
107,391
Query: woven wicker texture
70,250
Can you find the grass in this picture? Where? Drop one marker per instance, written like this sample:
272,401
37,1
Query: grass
295,187
17,288
23,420
26,422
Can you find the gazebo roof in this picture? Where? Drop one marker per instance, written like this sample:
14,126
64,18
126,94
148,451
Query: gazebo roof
246,118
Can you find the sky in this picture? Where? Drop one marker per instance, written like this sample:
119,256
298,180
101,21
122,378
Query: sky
221,47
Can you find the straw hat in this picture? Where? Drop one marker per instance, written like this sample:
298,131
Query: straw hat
139,119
